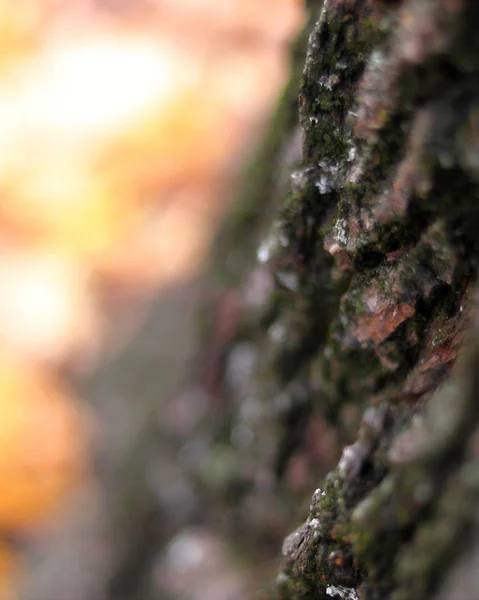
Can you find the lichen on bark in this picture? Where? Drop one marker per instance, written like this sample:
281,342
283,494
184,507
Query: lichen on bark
387,105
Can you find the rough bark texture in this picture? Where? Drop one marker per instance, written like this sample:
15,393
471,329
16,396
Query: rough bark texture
373,257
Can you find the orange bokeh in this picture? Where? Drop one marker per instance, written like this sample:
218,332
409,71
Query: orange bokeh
121,132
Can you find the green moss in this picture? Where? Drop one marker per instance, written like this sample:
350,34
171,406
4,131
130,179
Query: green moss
410,235
339,46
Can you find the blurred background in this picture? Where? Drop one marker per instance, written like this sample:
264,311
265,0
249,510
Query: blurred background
124,128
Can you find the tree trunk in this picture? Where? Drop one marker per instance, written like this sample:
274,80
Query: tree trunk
359,306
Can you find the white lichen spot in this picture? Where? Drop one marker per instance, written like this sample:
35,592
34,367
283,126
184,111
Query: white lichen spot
269,246
332,168
323,185
338,591
265,251
352,154
325,82
318,494
340,232
315,523
329,81
300,178
274,240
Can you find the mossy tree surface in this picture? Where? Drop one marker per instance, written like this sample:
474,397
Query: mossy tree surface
389,192
374,254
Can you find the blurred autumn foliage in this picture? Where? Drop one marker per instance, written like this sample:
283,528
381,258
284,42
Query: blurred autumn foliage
122,127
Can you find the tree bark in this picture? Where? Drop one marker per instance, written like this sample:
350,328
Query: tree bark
373,254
